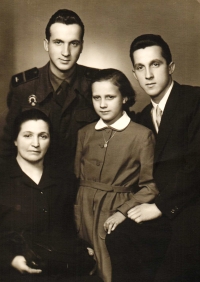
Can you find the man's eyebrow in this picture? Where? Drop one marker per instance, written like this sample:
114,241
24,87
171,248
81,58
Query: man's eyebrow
138,64
57,39
151,62
156,60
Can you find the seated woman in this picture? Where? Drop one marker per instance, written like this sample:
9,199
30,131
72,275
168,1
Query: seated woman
37,236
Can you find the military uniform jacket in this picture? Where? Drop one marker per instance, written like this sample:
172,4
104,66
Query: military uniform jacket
35,90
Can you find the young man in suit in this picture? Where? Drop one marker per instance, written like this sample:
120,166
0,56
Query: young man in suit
174,116
61,89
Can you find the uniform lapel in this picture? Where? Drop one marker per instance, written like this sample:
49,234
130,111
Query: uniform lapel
71,95
167,121
80,86
44,87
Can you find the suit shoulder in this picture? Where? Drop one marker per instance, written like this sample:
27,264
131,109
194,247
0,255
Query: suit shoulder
143,114
146,109
187,89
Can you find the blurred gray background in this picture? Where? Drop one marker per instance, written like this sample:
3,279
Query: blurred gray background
110,28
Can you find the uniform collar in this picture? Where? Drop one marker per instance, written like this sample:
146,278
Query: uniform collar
80,83
119,125
56,81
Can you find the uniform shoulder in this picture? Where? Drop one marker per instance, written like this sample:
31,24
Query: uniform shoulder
24,77
88,72
27,75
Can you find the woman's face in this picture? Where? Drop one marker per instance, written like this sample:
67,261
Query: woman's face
33,140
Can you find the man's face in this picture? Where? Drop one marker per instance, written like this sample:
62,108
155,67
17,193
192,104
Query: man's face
152,71
64,47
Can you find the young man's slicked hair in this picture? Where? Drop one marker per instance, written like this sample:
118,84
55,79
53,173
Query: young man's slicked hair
148,40
66,17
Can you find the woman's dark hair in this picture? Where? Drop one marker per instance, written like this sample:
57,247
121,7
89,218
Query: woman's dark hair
33,114
119,79
64,16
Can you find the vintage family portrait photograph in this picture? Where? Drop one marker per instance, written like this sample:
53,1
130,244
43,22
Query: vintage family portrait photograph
100,141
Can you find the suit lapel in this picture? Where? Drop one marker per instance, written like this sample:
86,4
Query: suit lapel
146,119
167,120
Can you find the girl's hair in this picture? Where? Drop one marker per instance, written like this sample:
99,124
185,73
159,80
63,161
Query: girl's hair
121,81
33,114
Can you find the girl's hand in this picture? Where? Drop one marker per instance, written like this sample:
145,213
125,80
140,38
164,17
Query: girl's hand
111,223
144,212
19,263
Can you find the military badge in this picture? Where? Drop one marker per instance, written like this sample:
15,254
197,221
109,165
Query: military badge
32,99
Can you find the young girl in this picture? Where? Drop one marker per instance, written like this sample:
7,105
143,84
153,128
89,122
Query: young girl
114,162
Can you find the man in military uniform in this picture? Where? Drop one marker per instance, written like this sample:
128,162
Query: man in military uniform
61,89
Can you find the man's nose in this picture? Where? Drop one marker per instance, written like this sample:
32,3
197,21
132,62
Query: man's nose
148,73
66,50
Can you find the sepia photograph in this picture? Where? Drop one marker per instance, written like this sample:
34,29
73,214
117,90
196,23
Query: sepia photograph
100,141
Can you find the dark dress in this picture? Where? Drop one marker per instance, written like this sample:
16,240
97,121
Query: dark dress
36,221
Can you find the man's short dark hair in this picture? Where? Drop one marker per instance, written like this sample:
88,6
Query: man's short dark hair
66,17
148,40
119,79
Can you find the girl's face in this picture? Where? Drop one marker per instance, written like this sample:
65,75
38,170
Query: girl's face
33,140
108,101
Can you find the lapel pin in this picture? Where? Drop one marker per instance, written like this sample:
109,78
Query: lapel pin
32,99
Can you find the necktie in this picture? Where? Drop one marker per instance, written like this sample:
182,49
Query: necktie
158,115
62,93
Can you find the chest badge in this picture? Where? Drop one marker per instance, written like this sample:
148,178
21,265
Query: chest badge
32,99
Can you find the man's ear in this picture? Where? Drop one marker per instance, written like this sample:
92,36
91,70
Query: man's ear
15,142
134,74
171,67
82,46
46,45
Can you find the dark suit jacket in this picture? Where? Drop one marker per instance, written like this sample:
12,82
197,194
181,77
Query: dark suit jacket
177,151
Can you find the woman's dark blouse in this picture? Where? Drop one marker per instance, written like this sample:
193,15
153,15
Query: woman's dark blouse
31,213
